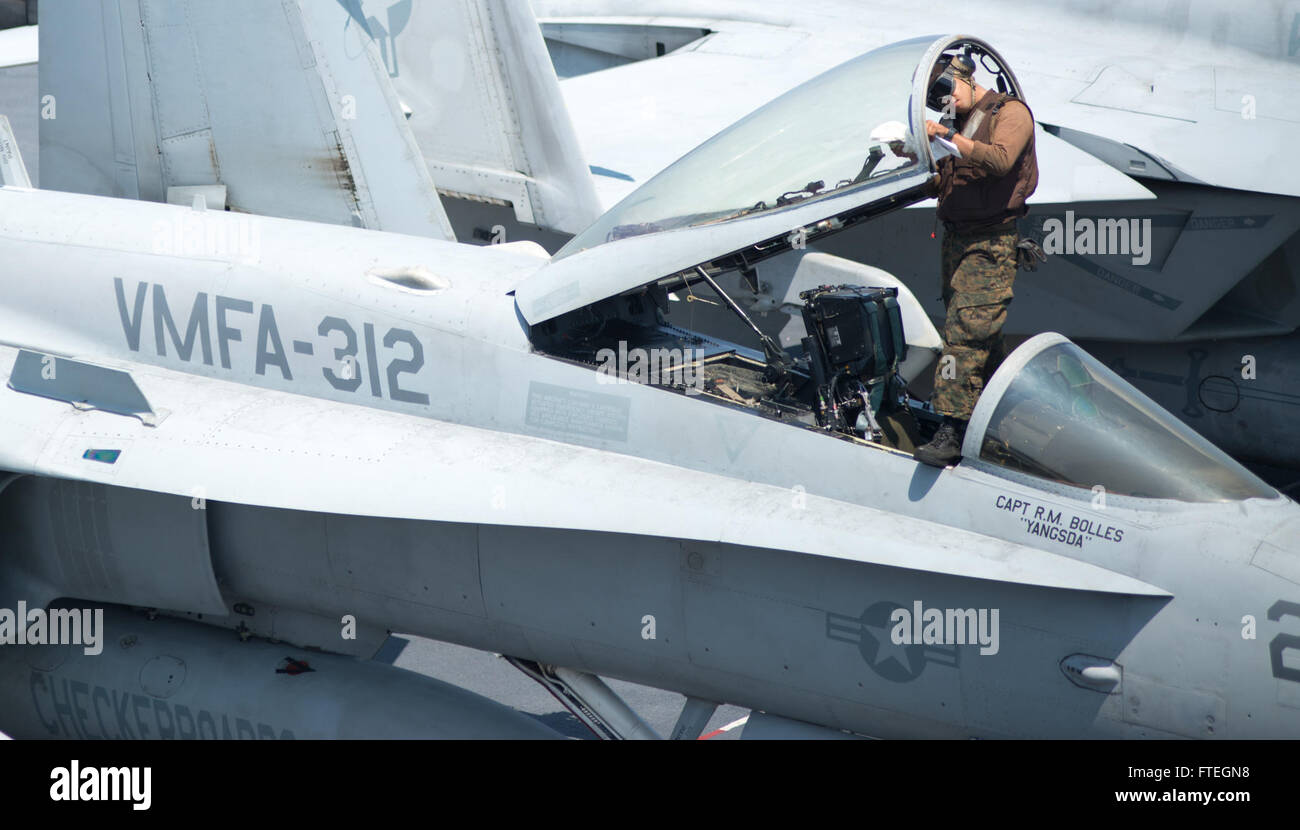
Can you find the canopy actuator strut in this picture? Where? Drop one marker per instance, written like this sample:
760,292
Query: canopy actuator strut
776,356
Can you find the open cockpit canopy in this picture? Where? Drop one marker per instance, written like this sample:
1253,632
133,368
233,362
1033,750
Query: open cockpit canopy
826,137
838,149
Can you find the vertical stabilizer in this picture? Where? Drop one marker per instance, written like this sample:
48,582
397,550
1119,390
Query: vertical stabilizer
486,107
285,104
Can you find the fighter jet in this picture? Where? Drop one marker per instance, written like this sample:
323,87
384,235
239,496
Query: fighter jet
1183,279
263,443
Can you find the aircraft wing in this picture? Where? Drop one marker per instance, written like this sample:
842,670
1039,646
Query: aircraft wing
1201,96
635,119
281,109
227,442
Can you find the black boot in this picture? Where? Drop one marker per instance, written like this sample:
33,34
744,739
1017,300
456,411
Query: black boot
945,447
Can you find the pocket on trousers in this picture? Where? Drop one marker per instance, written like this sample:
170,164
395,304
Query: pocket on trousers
974,325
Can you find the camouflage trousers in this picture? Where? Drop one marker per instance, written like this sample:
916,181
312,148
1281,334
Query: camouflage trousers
978,272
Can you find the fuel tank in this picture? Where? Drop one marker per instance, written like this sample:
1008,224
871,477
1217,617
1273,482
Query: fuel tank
174,679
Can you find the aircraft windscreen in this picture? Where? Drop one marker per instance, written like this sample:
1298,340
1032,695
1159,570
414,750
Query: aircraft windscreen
1068,418
844,129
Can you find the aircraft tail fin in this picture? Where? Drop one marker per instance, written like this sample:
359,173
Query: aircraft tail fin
287,105
486,106
13,173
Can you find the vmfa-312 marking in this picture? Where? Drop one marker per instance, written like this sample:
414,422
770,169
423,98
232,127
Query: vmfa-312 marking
269,352
770,552
230,317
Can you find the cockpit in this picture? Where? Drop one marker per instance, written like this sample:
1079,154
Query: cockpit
631,296
1055,412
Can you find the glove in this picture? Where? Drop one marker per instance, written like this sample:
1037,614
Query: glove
1029,254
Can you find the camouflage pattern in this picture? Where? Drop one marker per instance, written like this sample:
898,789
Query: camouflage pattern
978,272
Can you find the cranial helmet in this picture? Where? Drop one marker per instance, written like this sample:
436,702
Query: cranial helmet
943,75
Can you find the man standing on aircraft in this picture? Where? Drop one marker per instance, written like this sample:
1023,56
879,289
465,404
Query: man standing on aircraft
981,194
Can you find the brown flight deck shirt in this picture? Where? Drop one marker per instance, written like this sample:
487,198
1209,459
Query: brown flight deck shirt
989,186
1012,129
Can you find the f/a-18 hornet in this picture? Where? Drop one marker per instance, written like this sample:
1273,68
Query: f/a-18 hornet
262,444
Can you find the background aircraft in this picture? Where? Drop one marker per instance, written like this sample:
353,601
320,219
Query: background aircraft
286,429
